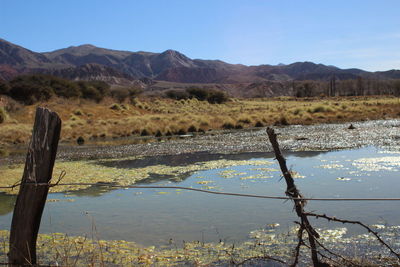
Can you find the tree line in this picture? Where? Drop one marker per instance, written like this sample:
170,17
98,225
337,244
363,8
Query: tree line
333,87
349,87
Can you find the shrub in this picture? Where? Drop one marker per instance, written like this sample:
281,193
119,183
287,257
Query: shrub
177,94
318,109
78,112
115,106
4,88
211,95
198,93
80,141
192,129
158,133
64,88
244,120
282,121
217,97
30,89
120,94
94,90
181,132
259,124
3,115
228,125
144,132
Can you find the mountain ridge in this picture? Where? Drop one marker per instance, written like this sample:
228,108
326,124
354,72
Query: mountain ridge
75,62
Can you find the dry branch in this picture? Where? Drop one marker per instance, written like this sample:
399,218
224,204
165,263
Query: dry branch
299,204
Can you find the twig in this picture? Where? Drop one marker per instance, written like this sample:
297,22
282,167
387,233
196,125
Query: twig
299,243
355,222
260,258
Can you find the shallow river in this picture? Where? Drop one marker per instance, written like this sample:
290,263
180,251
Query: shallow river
155,216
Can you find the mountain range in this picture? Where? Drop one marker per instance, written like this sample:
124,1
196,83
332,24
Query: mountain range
88,62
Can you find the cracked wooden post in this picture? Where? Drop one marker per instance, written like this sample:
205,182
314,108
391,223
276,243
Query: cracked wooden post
31,197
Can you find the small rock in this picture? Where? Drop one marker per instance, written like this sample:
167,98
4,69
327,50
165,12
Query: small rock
351,127
80,141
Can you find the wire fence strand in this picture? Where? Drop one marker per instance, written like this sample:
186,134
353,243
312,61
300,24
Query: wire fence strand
199,190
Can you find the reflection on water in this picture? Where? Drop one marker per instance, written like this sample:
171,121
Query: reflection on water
191,158
6,203
157,216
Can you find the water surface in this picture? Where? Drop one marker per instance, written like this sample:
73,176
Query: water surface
155,216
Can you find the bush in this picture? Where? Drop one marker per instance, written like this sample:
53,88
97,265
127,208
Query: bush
3,115
282,121
177,94
30,89
259,124
64,88
122,93
115,106
158,133
181,132
198,93
192,129
318,109
144,132
217,97
4,88
211,95
94,90
228,125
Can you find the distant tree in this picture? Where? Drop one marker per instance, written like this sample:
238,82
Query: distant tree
199,93
305,89
29,89
360,86
94,90
396,87
332,86
122,93
4,87
176,94
217,97
64,88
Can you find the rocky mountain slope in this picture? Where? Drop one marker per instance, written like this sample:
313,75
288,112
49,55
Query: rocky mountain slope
123,67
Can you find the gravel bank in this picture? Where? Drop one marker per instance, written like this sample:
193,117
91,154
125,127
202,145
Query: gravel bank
380,133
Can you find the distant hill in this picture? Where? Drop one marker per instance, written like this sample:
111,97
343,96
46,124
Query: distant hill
89,62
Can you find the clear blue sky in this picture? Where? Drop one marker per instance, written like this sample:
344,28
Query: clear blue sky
345,33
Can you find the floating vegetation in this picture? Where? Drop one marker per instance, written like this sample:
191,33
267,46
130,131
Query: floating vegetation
230,174
377,164
60,200
343,179
257,176
59,249
93,172
296,174
331,166
205,182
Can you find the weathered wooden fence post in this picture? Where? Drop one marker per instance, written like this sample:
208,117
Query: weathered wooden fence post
31,197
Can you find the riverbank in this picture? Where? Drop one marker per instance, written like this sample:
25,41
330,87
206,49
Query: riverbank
110,123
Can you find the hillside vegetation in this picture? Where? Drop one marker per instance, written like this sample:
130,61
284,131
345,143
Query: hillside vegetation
109,119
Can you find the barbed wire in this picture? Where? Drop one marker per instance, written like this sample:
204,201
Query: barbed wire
197,190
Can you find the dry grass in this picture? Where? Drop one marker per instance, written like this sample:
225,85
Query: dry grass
97,122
